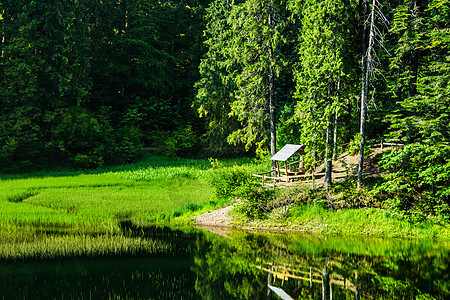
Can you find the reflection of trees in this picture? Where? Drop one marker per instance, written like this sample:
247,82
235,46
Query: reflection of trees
226,270
162,277
308,267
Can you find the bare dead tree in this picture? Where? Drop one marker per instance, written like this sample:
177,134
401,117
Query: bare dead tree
369,65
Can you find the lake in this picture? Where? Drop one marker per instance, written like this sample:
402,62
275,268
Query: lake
234,264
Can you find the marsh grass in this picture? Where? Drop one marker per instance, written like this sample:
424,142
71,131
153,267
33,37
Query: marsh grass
54,246
38,209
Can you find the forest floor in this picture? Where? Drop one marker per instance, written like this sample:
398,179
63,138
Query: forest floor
343,167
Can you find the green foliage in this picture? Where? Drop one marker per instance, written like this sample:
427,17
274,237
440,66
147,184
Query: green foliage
421,61
128,144
215,87
355,144
68,61
418,184
255,200
82,137
227,181
253,62
353,147
343,195
325,69
180,141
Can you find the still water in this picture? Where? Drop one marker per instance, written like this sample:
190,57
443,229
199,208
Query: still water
242,265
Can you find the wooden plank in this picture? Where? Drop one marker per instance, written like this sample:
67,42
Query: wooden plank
262,176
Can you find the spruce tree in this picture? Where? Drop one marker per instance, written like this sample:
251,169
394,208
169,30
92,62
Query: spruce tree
255,26
321,71
215,87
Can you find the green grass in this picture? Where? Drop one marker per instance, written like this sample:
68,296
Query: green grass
51,209
61,213
363,222
54,246
55,213
98,200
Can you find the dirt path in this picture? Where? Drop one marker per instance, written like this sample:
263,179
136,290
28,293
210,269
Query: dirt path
218,217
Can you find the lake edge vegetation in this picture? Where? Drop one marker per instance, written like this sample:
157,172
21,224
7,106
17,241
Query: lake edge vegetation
340,210
44,213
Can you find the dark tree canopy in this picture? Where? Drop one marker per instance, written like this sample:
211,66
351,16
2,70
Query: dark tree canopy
88,83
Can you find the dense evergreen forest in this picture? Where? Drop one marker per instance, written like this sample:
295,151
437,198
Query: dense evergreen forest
87,83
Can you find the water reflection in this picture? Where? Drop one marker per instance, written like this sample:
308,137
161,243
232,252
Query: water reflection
241,265
293,266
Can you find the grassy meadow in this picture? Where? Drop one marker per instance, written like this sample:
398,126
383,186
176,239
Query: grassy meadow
45,212
98,201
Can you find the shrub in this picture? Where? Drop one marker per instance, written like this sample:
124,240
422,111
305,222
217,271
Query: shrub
255,200
418,184
128,144
179,141
227,181
355,144
83,138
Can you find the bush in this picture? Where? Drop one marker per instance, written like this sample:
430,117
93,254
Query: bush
84,139
227,181
180,141
255,200
354,147
418,184
128,144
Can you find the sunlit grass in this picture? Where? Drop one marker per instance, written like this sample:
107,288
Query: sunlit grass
358,222
97,200
50,246
71,213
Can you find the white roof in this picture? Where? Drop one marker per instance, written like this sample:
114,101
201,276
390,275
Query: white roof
286,152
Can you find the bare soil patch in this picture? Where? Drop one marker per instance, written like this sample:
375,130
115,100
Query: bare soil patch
218,217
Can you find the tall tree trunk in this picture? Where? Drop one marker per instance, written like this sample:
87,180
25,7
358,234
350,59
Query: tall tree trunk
367,66
329,141
314,137
273,129
335,135
414,54
336,123
328,160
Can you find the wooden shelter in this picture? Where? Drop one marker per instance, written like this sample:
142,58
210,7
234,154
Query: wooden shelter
283,155
283,171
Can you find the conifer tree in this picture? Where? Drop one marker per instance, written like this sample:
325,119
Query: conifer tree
422,55
253,45
215,87
323,50
369,65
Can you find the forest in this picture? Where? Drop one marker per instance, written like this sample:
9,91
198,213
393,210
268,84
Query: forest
88,83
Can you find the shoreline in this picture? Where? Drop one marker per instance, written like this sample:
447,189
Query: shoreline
220,221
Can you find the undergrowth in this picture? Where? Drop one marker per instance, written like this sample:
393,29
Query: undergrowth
342,209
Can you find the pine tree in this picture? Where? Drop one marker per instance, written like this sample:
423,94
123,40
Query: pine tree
369,66
323,51
215,87
253,46
45,67
422,60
